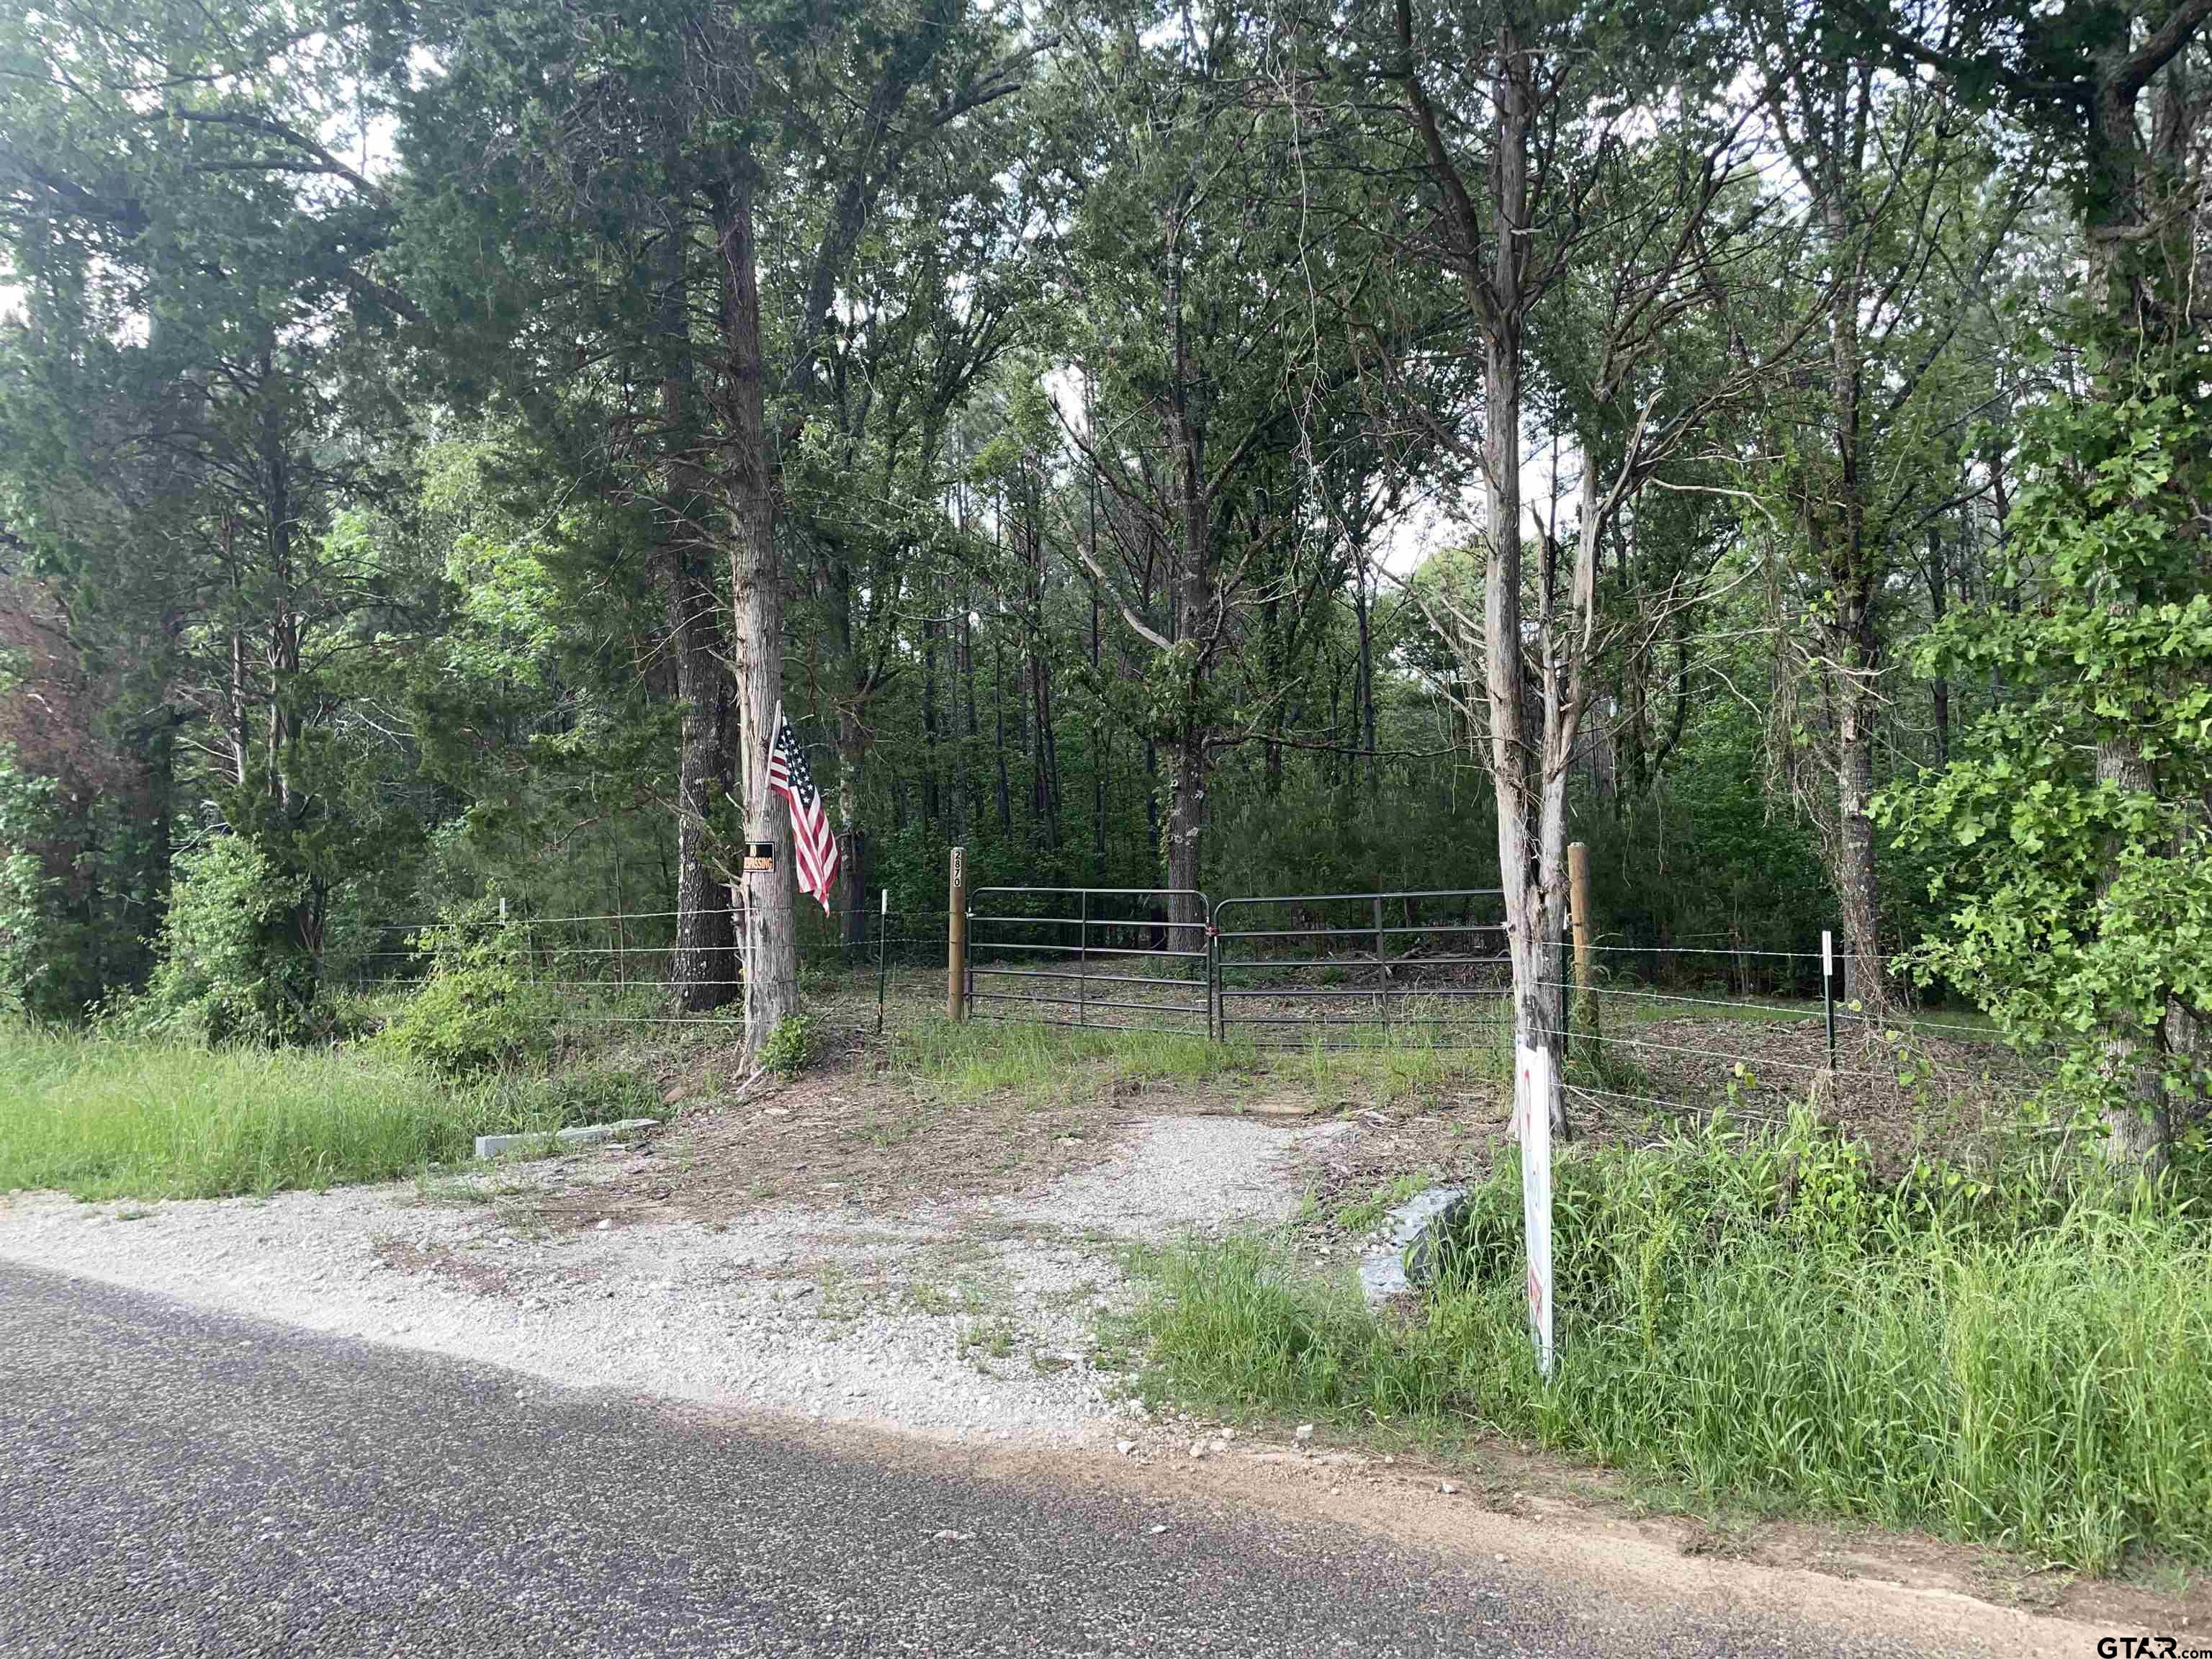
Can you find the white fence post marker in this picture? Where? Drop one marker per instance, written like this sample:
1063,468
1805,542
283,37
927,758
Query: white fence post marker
1532,1107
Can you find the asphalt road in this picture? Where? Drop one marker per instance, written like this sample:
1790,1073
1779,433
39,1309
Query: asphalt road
178,1482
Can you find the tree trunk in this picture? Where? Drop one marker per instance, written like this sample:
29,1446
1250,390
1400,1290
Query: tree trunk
1098,729
771,954
2139,1127
852,759
1938,594
2119,175
703,968
1532,919
1858,894
999,733
1364,677
1850,570
931,810
1191,595
969,735
1044,756
1151,801
1186,842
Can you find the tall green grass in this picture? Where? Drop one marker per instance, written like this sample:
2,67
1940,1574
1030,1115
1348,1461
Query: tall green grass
104,1118
972,1060
1753,1316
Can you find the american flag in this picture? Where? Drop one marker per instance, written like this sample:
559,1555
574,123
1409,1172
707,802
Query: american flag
814,844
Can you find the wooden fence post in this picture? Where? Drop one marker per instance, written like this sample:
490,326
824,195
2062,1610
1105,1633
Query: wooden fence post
956,939
1578,897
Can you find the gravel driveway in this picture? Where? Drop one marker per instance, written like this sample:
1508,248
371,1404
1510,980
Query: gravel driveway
973,1319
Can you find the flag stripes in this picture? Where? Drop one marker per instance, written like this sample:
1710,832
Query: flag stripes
813,842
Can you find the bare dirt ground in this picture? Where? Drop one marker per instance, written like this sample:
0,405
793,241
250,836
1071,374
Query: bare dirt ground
877,1247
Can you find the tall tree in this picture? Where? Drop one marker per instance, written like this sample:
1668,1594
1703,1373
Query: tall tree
199,272
635,153
2082,71
1900,224
1519,188
1182,325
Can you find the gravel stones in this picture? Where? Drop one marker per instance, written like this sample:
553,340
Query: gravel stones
971,1320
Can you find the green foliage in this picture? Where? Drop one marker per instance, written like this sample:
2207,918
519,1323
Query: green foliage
234,966
2068,842
28,948
103,1117
974,1060
73,869
477,1011
788,1047
600,1093
2011,1356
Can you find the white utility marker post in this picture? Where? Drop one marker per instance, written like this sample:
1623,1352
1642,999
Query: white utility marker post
1531,1110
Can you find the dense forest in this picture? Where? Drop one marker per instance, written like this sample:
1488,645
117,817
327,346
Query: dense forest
1256,449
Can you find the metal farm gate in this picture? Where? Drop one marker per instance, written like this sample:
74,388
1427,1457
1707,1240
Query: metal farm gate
1346,971
1286,971
1106,957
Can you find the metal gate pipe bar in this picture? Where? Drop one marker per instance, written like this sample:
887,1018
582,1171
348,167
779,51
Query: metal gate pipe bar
1325,992
1303,965
1375,932
1187,993
1095,1002
1101,979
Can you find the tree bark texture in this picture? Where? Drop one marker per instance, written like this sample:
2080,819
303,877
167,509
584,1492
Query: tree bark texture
771,945
703,966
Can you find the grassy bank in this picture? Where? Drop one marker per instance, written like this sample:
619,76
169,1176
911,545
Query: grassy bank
2011,1360
969,1061
108,1118
1366,1065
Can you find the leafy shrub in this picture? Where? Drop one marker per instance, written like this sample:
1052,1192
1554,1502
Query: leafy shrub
233,964
2078,903
477,1011
785,1050
25,946
24,963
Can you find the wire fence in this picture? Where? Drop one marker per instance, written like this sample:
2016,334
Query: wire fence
629,968
1685,1028
1670,1028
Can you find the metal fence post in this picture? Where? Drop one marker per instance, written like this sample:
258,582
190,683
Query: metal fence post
1829,993
1217,1023
956,939
1382,970
883,928
1579,913
1566,997
1083,961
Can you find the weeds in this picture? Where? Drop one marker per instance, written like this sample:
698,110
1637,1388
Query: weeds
1363,1214
2021,1357
971,1061
106,1118
989,1338
788,1047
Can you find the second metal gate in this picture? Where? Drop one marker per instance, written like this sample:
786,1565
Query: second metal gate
1348,970
1115,958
